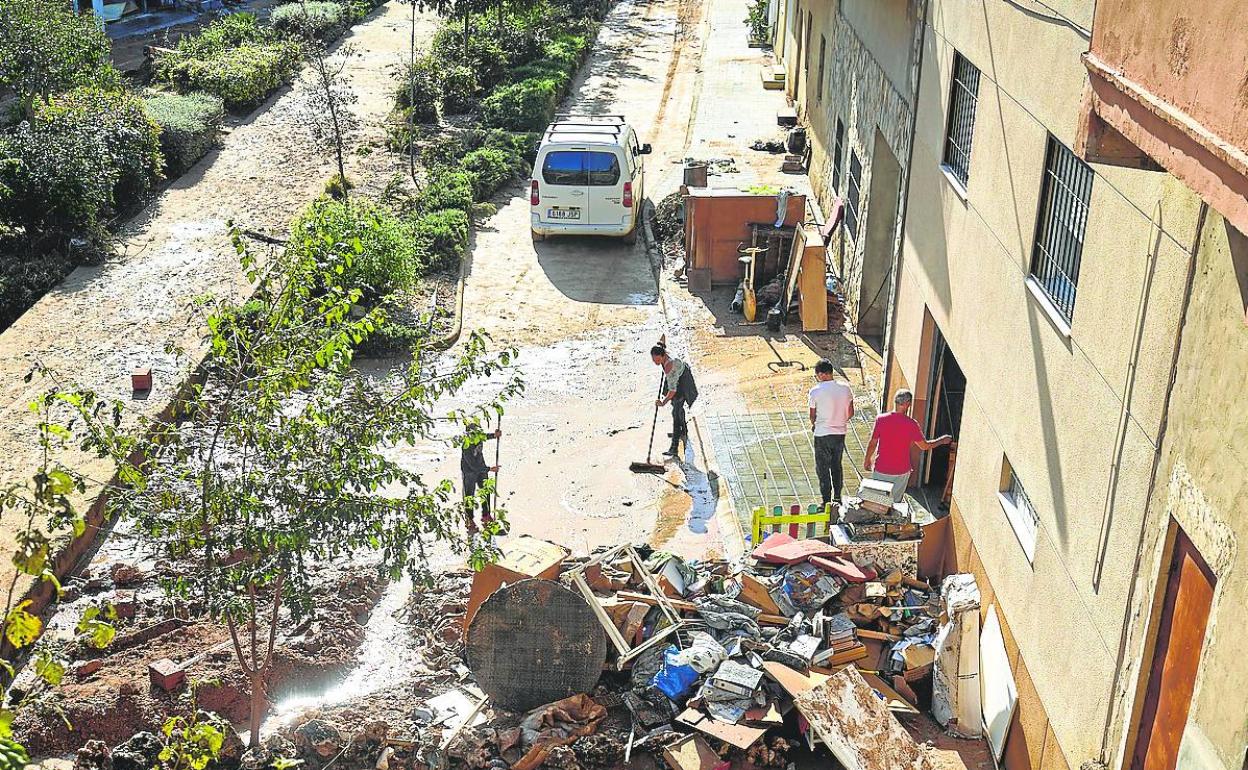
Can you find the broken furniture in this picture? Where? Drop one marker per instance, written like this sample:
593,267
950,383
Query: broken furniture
806,271
534,642
624,647
522,558
717,220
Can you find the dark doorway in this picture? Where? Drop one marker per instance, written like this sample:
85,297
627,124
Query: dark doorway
946,396
880,233
1176,657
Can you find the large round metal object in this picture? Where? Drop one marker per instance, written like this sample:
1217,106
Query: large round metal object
535,642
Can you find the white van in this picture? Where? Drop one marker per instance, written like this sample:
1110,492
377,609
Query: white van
588,178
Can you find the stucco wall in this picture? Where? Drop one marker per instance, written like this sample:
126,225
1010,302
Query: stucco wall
1064,409
869,48
1191,55
1202,486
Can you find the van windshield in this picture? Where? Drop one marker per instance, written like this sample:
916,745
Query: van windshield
581,168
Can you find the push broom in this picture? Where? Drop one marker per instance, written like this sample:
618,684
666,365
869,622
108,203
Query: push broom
647,466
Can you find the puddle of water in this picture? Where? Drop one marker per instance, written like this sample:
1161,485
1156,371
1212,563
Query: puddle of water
387,655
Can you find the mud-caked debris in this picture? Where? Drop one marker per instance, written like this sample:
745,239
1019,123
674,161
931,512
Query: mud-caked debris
318,738
125,575
139,753
94,755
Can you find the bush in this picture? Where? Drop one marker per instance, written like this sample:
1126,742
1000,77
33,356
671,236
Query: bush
25,279
567,50
525,106
420,80
387,258
442,238
490,169
82,154
460,89
243,77
447,189
543,69
324,20
188,126
222,35
485,56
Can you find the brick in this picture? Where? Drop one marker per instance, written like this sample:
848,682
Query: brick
85,668
141,379
166,674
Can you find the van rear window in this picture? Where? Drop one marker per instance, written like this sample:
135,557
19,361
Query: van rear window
582,168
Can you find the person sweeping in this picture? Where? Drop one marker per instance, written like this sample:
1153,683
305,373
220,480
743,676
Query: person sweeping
679,390
475,472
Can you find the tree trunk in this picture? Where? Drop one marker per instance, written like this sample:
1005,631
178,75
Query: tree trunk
467,20
258,703
411,81
500,19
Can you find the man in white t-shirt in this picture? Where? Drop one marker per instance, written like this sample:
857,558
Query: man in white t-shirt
831,408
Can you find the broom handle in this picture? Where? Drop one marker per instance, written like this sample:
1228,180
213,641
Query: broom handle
497,447
655,423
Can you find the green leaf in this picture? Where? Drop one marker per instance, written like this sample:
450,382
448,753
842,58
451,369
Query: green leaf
6,722
20,627
13,755
49,668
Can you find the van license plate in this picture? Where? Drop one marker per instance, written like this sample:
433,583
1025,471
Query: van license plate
569,213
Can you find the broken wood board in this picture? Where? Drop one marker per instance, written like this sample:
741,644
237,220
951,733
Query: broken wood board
792,680
741,736
857,727
895,701
755,594
999,695
683,606
692,753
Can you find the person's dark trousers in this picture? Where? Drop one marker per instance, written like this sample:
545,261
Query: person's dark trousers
680,429
828,451
472,483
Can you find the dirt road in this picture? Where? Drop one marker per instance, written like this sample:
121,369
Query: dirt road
102,322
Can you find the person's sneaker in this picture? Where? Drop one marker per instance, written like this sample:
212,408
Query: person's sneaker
672,451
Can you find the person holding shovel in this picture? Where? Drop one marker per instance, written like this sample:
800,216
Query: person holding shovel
475,472
679,390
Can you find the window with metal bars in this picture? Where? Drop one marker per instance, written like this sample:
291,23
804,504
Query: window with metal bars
1019,509
823,47
1060,225
851,198
963,98
838,150
810,25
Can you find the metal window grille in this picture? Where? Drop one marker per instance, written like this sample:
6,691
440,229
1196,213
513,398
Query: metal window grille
963,98
823,47
851,200
839,151
1018,496
1060,227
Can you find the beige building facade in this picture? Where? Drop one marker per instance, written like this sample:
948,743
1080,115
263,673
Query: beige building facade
1078,321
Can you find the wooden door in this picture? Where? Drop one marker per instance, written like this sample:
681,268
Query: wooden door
1176,659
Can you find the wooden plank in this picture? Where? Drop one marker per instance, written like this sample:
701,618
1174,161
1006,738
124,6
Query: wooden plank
755,594
792,680
741,736
857,727
684,606
691,753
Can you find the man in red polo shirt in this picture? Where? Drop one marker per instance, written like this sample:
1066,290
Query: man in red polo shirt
894,433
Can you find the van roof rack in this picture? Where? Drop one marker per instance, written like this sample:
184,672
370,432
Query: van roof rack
560,117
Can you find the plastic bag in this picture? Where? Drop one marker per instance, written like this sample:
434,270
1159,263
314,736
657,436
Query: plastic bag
704,653
674,679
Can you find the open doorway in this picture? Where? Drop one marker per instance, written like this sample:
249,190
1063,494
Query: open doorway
946,396
881,232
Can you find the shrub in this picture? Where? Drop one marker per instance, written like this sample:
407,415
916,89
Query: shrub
222,35
490,169
46,48
460,89
442,238
525,106
324,20
78,157
447,189
243,76
188,126
757,20
567,49
387,258
24,279
485,56
543,69
421,81
444,149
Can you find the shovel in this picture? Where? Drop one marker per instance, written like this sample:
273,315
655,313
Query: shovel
647,466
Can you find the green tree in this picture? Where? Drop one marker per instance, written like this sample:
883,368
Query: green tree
41,512
328,104
281,462
46,48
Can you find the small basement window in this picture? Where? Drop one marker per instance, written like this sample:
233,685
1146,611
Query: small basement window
1018,509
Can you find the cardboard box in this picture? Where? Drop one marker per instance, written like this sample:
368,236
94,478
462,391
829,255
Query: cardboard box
525,557
141,379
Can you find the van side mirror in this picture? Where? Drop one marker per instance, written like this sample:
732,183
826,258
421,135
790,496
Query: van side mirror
646,149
